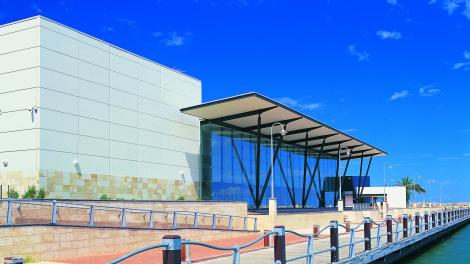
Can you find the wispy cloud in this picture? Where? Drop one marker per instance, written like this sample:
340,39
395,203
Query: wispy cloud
299,104
172,39
349,130
466,154
360,55
399,94
36,8
392,2
427,155
106,28
132,24
383,34
450,158
451,6
429,91
465,65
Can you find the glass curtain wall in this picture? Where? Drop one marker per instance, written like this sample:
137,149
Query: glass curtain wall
229,169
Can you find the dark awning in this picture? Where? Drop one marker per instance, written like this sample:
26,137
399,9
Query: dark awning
241,112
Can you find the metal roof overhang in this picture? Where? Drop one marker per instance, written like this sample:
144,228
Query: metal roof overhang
241,112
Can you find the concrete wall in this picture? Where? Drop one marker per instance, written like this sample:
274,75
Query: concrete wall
114,113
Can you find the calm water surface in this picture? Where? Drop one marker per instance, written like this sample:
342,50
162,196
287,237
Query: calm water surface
454,249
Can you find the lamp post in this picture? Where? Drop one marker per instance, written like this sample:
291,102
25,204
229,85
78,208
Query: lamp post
283,133
385,206
414,187
340,200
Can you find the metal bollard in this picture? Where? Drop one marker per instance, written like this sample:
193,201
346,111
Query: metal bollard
334,241
280,244
367,225
92,215
196,220
151,218
213,221
433,219
348,226
389,228
172,253
417,222
426,221
185,252
9,212
405,226
54,212
267,239
316,229
123,217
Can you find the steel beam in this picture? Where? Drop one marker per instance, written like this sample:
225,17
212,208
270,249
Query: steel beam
284,122
244,114
311,139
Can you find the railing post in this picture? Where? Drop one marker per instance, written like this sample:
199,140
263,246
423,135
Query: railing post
245,226
334,241
123,217
255,225
426,221
213,221
439,218
367,242
92,215
310,250
54,212
151,218
352,243
196,220
174,222
389,229
444,217
185,252
405,226
267,239
9,211
433,219
230,223
172,253
280,244
417,223
316,228
348,226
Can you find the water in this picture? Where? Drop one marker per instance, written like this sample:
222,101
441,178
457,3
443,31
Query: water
453,249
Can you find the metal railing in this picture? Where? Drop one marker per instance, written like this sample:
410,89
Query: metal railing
388,231
52,212
364,206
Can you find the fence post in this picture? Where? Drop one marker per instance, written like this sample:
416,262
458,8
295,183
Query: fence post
334,241
255,226
389,229
348,226
54,212
417,223
267,239
426,221
172,253
151,218
9,211
244,223
123,217
444,217
433,219
213,221
405,226
174,223
367,242
92,215
230,222
316,228
439,218
195,224
280,244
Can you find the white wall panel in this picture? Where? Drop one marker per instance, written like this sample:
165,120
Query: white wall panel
59,42
94,109
124,83
150,75
20,40
122,65
93,73
57,161
124,150
150,91
93,128
123,99
93,55
123,133
21,99
160,171
123,116
93,164
59,101
20,160
94,91
163,156
19,140
168,127
59,81
59,141
58,121
121,167
19,80
177,100
93,146
45,23
148,138
19,25
19,60
18,120
59,62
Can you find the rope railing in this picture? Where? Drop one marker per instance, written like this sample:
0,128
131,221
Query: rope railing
143,218
408,226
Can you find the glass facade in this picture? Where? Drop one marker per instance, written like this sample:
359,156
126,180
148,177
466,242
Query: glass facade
229,170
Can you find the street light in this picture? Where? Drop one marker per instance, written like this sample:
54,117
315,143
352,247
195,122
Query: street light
385,167
283,133
414,187
348,153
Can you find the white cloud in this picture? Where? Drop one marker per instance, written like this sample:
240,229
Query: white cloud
36,8
432,2
450,158
128,22
466,154
107,28
349,130
157,34
461,65
389,34
466,55
392,2
451,5
429,91
295,103
172,39
359,55
398,95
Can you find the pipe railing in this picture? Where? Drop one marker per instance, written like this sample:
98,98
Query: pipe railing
113,216
407,226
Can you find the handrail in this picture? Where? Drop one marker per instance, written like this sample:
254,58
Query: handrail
133,253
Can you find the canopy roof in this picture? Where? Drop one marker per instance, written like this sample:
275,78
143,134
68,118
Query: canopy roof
241,112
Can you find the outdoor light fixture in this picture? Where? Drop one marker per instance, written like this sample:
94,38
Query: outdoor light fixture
5,163
386,167
283,133
75,162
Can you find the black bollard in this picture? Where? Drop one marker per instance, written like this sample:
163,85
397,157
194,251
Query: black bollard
172,253
417,222
405,226
367,225
280,244
334,241
388,221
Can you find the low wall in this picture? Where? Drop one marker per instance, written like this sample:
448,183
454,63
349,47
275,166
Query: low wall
55,242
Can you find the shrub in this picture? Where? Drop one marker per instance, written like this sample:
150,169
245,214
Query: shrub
180,198
12,193
41,194
105,197
30,193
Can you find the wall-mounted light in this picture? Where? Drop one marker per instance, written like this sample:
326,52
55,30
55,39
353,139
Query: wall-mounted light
75,162
5,163
182,175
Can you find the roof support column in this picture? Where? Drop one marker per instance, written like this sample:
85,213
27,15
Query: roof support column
257,161
312,179
360,174
337,177
305,169
365,177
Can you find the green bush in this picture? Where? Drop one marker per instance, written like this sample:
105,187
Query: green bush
41,194
12,193
105,197
30,193
180,198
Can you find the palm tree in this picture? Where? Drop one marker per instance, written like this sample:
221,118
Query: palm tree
410,187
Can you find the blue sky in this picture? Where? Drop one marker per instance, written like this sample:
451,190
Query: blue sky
394,73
